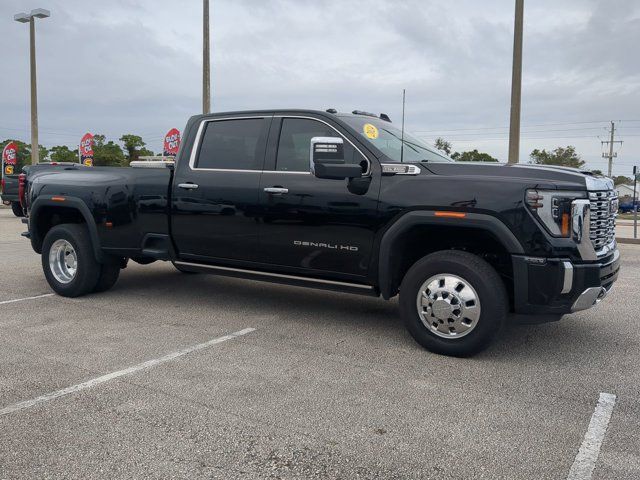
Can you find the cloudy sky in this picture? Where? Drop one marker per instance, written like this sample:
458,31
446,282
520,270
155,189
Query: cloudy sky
134,66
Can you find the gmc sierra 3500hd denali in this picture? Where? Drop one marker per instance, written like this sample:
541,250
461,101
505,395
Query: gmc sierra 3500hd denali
337,201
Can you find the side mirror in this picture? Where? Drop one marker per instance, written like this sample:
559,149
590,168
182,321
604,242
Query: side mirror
327,159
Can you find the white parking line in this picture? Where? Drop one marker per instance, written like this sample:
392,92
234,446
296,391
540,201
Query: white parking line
26,298
120,373
587,456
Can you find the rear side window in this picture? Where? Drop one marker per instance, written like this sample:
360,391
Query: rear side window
232,145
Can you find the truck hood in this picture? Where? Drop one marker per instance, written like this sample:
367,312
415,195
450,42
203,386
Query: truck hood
549,175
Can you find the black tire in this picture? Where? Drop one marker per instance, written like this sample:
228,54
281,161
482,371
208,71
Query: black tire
17,210
87,270
109,273
183,270
476,272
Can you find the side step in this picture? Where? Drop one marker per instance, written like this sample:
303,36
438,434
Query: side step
321,283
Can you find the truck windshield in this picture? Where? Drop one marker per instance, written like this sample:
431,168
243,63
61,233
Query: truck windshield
386,138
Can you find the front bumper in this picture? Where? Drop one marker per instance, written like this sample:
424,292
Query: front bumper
555,286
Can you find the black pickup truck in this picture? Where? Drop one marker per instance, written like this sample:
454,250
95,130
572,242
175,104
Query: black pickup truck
339,201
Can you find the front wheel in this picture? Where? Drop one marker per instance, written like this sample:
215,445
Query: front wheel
453,303
17,210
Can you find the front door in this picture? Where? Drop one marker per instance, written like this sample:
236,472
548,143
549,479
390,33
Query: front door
310,224
216,197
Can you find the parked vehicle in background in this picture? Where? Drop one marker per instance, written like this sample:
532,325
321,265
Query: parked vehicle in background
339,201
628,206
9,193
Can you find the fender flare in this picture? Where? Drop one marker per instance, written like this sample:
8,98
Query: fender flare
69,202
428,217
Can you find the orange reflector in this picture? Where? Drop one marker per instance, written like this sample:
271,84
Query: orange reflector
108,224
565,225
451,214
58,199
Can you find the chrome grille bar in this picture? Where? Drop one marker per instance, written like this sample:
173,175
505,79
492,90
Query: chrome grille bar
603,222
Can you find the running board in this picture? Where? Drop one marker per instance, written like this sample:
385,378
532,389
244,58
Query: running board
320,283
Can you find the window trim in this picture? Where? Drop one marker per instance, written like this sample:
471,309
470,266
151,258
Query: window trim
367,173
197,146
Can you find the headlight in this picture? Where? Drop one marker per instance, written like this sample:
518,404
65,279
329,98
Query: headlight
553,209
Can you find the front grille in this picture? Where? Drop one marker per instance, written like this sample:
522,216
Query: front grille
603,220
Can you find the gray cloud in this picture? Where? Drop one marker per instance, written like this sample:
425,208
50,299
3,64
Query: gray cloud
121,66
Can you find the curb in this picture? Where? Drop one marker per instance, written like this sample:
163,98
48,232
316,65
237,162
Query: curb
634,241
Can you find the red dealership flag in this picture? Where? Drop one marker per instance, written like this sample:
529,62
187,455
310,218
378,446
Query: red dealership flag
171,143
9,158
86,150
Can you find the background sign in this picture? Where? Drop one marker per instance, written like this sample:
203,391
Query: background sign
86,150
9,158
171,142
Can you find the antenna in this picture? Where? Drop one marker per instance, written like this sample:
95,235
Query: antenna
402,132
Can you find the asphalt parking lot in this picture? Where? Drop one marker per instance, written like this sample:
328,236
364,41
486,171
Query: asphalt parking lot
327,385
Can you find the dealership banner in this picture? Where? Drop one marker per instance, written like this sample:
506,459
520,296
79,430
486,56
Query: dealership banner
9,158
171,143
86,150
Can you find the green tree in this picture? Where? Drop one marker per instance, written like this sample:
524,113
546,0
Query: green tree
24,153
61,153
566,157
473,156
442,145
107,154
622,180
134,146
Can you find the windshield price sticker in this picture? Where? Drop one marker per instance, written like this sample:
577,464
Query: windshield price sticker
370,131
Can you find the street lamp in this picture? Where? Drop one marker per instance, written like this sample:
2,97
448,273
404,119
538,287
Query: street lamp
30,19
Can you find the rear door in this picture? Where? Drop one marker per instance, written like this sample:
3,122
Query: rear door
315,226
215,197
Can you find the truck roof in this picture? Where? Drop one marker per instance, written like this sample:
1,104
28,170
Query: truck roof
325,113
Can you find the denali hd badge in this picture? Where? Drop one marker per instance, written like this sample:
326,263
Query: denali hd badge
331,246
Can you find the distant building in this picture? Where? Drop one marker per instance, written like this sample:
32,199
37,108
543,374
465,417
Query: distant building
626,191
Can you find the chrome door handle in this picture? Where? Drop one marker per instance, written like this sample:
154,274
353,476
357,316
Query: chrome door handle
276,190
188,186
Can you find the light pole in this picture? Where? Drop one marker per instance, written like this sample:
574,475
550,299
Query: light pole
30,19
206,79
516,85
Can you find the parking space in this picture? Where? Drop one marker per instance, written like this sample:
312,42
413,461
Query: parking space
328,385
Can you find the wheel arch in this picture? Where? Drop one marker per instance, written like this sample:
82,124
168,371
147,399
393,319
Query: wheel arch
71,210
390,259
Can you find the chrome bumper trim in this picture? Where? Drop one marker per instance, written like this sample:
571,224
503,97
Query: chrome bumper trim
567,282
589,298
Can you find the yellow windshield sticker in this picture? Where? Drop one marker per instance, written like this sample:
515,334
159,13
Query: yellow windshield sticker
370,131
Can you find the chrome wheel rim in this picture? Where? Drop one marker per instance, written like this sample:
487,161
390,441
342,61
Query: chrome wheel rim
63,261
448,306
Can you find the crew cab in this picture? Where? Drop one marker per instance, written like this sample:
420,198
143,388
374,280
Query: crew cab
340,201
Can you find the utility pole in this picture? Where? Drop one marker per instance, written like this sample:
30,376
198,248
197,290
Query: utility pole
31,19
206,76
516,84
611,155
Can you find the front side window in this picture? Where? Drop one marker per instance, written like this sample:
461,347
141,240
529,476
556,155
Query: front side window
232,145
294,145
